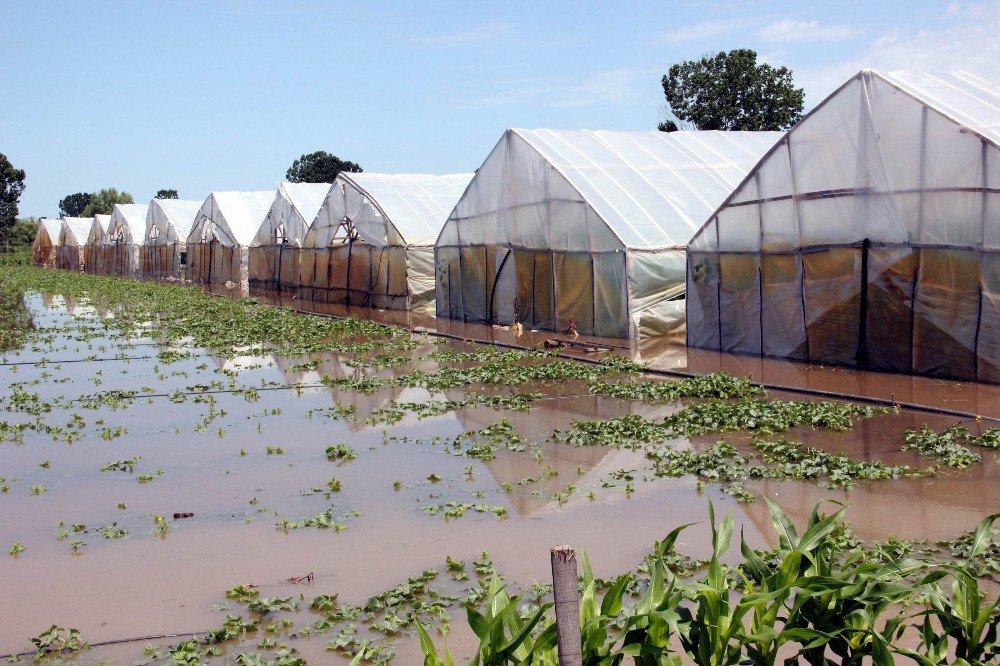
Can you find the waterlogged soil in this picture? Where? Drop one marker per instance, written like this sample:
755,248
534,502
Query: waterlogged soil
237,449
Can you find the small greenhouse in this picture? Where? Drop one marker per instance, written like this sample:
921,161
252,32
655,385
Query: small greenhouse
168,223
372,243
868,236
43,248
274,249
222,231
93,251
124,237
586,228
73,233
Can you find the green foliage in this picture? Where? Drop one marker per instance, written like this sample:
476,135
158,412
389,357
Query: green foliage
23,233
166,194
103,202
73,205
11,187
58,640
341,452
731,91
319,167
943,446
816,599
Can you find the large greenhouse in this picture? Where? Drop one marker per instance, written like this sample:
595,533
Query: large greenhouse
43,248
222,231
868,236
274,249
586,229
72,237
372,243
93,250
126,234
168,223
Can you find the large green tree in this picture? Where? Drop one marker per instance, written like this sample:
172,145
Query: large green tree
22,234
319,167
72,205
166,194
732,91
11,187
103,202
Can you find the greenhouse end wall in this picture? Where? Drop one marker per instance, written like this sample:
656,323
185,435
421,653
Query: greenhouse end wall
541,289
161,261
355,273
274,267
215,263
933,311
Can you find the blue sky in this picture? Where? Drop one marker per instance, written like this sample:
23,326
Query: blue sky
205,96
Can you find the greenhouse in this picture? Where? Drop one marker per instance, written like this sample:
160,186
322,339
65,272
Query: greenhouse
93,250
72,237
222,232
586,230
372,243
168,223
125,236
43,248
274,249
869,236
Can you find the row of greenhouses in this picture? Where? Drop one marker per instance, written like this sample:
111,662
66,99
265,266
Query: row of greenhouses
868,234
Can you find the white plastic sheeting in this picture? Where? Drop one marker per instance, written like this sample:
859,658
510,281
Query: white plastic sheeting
869,235
43,248
168,223
586,227
222,231
273,252
372,241
73,233
126,232
93,251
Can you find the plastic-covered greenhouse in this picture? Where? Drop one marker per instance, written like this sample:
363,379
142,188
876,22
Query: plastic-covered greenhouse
124,237
274,249
586,227
93,251
869,235
43,248
222,231
73,233
372,243
168,223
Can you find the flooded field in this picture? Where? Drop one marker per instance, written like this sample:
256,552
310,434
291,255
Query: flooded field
147,469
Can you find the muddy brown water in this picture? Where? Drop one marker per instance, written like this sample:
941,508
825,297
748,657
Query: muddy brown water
146,584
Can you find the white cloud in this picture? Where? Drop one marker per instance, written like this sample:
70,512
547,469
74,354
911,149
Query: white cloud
790,30
613,86
478,35
704,30
963,38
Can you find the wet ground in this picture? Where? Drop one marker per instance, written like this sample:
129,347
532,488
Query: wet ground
241,443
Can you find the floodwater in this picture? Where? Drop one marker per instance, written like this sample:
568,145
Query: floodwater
211,459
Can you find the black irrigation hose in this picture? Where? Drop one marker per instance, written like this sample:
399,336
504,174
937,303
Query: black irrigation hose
80,360
883,402
116,641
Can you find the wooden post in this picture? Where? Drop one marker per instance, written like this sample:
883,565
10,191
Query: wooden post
566,593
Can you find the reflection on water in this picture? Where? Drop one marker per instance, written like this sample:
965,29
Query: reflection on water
15,321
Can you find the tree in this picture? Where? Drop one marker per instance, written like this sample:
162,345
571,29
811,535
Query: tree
166,194
103,202
22,234
319,167
72,205
11,187
731,91
667,126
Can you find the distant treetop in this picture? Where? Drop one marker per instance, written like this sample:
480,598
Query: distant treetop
166,194
731,91
103,202
319,167
72,205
